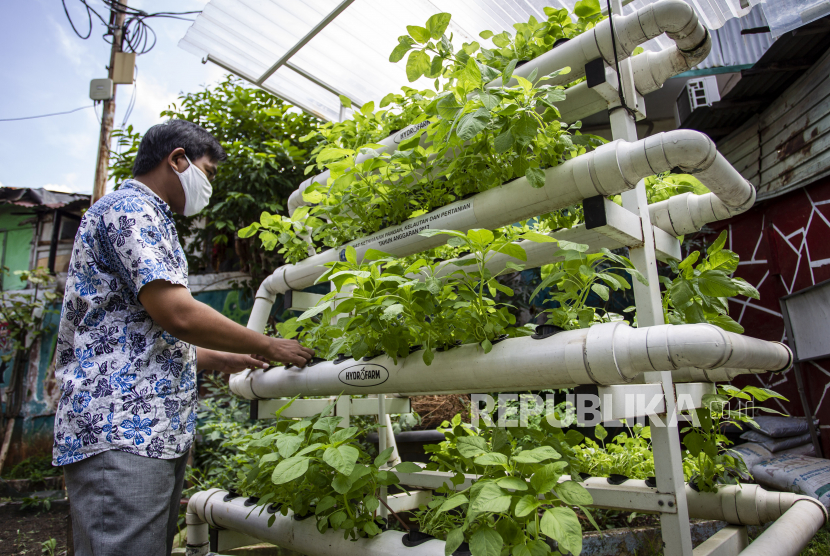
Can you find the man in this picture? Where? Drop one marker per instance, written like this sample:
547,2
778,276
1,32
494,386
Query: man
127,350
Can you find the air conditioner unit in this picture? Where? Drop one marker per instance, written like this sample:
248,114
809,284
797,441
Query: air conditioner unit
697,92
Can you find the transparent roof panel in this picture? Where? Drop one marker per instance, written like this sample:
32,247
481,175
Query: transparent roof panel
350,55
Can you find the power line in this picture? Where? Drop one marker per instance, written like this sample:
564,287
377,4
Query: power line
137,35
45,115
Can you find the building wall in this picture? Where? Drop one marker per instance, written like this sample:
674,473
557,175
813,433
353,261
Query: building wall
787,145
16,233
794,231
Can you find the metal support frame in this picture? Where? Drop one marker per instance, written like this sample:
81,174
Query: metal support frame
301,105
303,41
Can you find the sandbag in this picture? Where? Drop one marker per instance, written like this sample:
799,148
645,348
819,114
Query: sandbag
798,474
775,445
780,427
803,450
751,453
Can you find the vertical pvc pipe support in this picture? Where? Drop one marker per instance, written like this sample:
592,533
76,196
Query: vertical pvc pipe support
382,441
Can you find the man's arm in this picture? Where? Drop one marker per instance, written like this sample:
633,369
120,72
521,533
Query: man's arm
229,363
191,321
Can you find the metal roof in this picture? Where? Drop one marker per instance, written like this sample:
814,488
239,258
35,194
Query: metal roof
309,52
788,57
39,198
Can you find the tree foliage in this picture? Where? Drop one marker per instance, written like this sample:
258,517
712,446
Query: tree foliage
265,164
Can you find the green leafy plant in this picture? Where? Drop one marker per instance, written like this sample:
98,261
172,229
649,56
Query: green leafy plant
534,38
579,274
484,136
708,462
702,287
34,469
663,186
24,312
312,467
49,547
628,454
384,305
519,502
221,417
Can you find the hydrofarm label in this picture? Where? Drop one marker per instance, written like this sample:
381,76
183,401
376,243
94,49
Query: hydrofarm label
364,375
408,132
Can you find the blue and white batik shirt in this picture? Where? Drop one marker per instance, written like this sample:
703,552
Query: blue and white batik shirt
126,384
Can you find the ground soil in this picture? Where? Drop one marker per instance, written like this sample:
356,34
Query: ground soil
22,532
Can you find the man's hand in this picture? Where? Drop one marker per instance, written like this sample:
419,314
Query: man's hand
229,363
175,310
288,352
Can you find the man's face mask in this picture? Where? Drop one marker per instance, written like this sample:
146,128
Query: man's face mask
197,188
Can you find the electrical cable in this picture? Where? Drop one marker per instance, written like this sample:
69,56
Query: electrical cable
45,115
623,105
137,35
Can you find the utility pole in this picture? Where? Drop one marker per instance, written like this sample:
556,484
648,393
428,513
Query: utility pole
108,118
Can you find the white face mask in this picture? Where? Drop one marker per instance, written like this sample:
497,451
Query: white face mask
197,188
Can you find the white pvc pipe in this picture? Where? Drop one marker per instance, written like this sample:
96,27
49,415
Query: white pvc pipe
286,532
674,17
610,353
790,533
797,519
744,504
650,69
611,169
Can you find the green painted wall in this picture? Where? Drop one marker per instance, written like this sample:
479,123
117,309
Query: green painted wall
15,243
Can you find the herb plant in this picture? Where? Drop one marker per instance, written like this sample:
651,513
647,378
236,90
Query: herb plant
393,306
702,287
579,274
312,467
519,503
707,460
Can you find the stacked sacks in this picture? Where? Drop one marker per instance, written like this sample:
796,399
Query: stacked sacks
781,435
798,474
778,456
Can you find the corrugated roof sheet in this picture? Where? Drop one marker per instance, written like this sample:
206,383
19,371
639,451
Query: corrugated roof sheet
38,198
785,61
351,54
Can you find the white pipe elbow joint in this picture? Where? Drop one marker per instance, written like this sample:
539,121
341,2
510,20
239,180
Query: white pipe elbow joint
690,151
276,282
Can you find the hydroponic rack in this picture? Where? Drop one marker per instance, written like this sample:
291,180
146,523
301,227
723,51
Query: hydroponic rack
663,362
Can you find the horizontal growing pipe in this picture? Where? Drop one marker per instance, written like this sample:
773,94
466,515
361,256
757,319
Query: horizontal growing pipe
610,353
797,520
610,169
209,508
674,17
651,69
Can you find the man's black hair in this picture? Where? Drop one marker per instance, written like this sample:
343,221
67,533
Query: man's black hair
162,139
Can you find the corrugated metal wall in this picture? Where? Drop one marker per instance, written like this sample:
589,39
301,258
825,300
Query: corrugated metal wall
787,146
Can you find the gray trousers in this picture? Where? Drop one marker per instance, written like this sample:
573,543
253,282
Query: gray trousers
124,504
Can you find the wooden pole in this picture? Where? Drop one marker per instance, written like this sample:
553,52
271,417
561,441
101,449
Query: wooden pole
99,188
